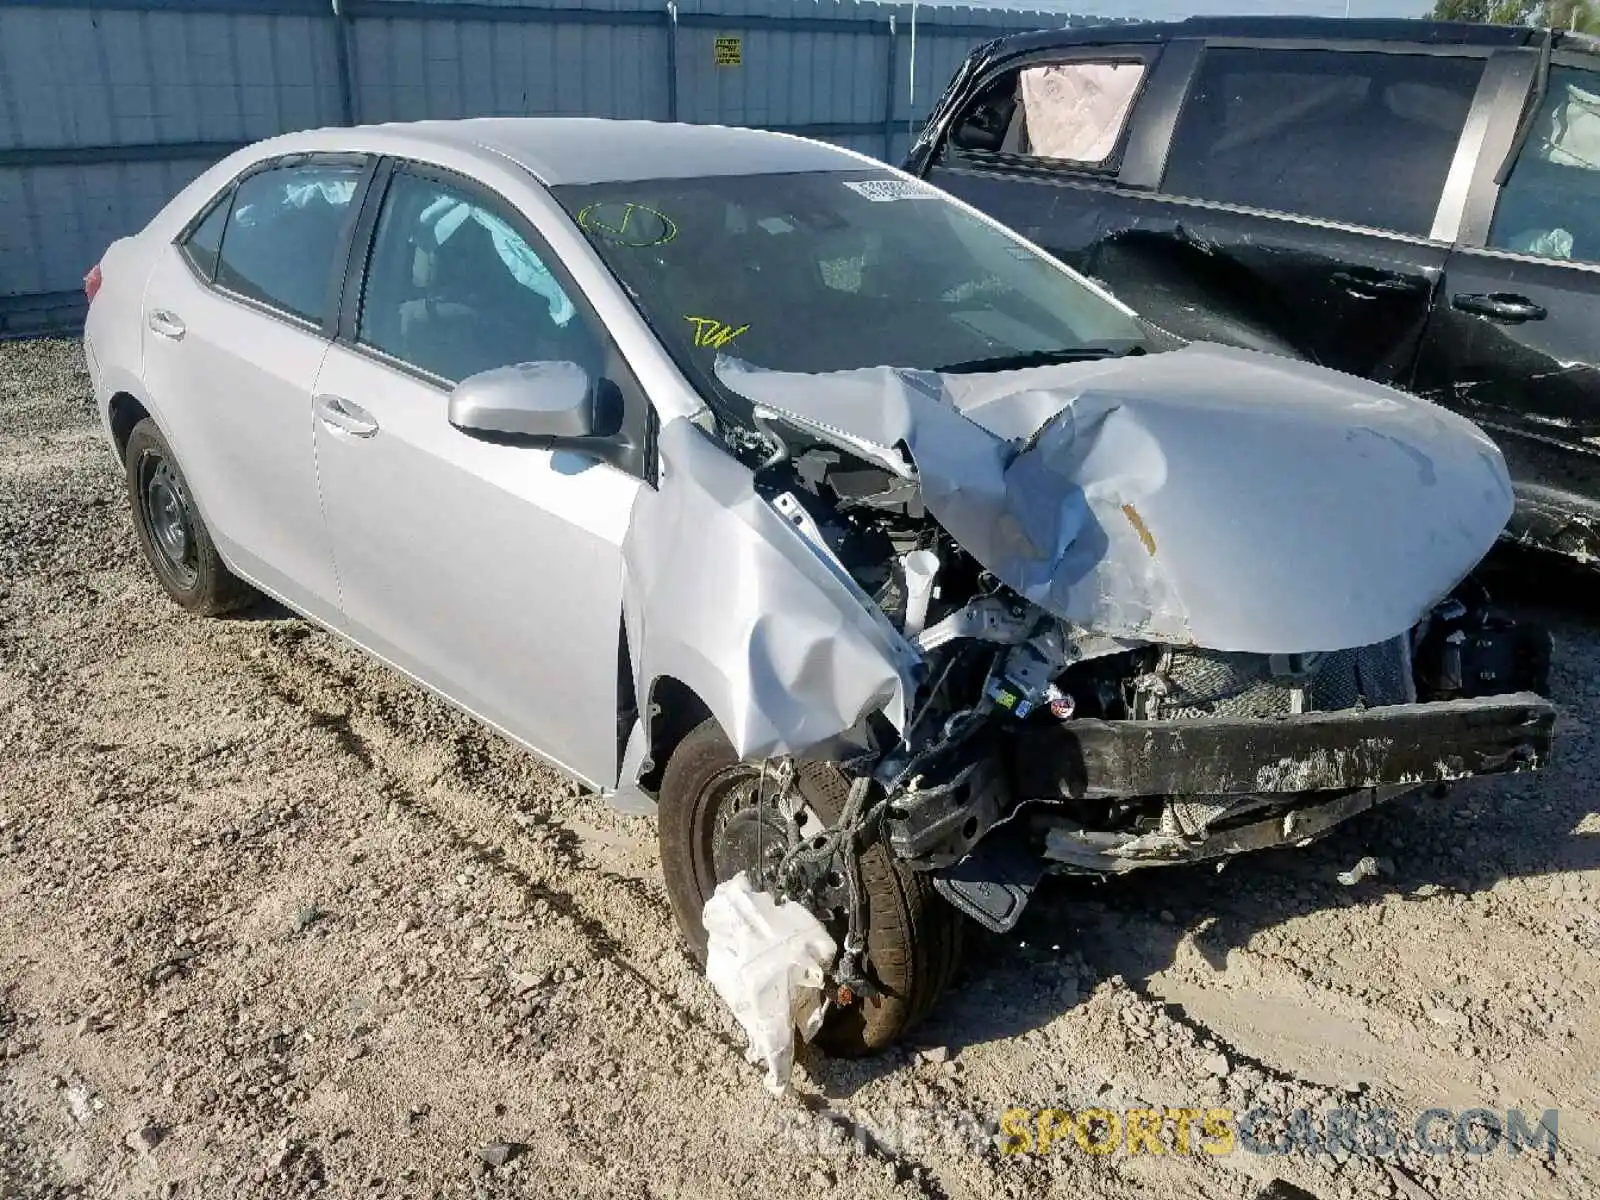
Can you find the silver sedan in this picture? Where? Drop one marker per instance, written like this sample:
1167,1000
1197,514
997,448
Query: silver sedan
747,478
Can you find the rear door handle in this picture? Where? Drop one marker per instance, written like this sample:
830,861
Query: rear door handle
346,416
1498,306
166,324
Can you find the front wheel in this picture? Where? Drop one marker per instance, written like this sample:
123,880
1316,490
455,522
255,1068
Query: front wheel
713,823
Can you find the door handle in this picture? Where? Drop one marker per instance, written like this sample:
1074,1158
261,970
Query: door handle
1498,306
166,324
338,413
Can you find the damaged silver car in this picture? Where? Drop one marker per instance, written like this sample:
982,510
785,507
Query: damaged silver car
893,563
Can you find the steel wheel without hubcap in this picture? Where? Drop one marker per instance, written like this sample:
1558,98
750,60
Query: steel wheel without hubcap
172,534
166,507
749,832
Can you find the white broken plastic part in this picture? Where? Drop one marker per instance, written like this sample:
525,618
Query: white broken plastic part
768,962
921,568
1364,869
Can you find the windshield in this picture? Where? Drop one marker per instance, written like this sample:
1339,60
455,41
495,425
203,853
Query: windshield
829,271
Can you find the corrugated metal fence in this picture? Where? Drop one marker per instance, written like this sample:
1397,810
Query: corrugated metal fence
108,107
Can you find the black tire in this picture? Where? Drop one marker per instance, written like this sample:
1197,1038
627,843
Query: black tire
913,936
174,539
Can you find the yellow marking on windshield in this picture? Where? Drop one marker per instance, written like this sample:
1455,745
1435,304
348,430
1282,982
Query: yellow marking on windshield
708,331
627,224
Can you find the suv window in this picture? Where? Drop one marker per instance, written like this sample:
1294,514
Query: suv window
283,235
1065,112
455,287
1551,204
1074,111
1361,138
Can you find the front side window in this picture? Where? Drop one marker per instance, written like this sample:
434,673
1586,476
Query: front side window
828,271
1550,206
454,287
283,236
1071,113
1360,138
1075,111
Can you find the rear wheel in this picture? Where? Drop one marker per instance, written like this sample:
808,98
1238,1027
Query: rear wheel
174,539
713,824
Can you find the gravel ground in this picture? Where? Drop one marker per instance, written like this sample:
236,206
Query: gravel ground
273,922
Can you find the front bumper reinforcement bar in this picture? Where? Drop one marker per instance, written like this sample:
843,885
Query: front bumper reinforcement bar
1402,745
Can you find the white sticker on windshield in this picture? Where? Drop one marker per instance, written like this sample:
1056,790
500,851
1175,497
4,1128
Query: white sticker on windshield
891,189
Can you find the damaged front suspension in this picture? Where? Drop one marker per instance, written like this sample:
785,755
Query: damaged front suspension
809,865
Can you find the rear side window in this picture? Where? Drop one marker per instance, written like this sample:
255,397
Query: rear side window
205,239
1071,113
1360,138
1550,206
284,233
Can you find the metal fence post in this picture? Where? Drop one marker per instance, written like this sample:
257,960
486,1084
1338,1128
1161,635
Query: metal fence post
672,60
888,92
341,42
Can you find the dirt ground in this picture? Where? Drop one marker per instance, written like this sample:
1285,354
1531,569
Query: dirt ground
273,922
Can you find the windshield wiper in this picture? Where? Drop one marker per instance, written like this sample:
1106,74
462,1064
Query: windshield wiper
1037,358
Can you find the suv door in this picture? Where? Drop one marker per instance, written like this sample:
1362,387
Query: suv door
1300,197
1279,197
488,570
1514,340
238,315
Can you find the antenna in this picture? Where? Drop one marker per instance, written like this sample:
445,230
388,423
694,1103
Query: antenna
911,82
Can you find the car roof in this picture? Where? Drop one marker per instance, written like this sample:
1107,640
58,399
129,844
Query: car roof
567,150
1332,30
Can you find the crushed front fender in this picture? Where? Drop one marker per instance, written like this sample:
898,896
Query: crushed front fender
722,594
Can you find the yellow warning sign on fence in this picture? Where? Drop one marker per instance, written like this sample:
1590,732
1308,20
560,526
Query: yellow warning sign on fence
730,52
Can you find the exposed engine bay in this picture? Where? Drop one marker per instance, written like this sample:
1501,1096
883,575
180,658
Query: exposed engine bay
1031,742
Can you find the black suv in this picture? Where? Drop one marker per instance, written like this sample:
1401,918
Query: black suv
1410,201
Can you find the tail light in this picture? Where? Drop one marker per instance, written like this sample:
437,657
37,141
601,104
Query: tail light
91,283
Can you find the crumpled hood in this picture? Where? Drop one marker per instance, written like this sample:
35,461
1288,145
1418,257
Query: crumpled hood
1206,496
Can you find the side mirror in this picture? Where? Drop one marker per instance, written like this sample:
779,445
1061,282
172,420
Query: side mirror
543,403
